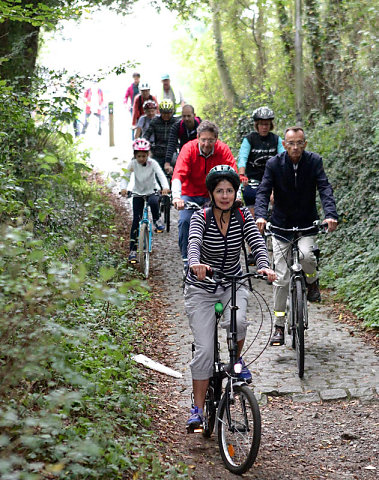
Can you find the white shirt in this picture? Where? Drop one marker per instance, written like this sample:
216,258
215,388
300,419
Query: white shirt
144,177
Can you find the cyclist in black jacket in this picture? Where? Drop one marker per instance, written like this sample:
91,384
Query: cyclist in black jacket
294,177
158,133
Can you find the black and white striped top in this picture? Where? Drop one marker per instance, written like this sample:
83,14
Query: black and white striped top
222,252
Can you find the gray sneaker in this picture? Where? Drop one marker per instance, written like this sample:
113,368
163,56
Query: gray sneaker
278,338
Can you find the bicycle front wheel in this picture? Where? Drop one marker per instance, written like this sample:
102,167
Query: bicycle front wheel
143,249
270,252
239,429
299,324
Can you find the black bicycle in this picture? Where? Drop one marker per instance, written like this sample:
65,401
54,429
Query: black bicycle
297,308
233,408
165,202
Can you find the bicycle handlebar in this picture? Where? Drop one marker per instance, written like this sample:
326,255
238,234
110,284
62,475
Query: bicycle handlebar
320,226
218,275
192,206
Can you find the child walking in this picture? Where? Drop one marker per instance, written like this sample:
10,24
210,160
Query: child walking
145,169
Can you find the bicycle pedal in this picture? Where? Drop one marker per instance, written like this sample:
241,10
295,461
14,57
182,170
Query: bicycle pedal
194,428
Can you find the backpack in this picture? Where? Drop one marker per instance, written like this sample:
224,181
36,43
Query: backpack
238,213
182,129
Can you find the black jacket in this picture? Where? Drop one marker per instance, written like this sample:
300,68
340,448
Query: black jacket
158,133
295,191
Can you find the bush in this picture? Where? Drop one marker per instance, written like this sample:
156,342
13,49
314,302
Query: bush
70,405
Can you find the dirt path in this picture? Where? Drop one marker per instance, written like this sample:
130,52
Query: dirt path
322,427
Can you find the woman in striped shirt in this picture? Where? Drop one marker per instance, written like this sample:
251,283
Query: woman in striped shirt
217,244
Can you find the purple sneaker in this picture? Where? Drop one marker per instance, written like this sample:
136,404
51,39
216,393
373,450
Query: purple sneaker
245,374
196,419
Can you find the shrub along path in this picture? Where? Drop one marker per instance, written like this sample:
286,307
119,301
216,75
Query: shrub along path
322,427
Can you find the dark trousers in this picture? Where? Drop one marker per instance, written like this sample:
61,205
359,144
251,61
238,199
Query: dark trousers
138,202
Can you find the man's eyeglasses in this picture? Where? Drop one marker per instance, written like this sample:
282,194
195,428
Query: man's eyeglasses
207,140
298,144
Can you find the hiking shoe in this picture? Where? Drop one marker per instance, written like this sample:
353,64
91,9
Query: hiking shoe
251,259
196,419
159,227
132,256
278,338
245,373
314,294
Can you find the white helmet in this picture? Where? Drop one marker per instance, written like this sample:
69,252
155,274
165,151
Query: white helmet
144,86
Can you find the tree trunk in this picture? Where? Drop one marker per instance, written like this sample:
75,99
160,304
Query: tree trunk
299,80
223,70
258,28
316,43
18,51
285,26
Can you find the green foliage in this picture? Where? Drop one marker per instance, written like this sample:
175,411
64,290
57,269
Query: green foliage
349,146
341,117
70,402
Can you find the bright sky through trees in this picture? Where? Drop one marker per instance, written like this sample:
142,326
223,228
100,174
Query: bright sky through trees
103,39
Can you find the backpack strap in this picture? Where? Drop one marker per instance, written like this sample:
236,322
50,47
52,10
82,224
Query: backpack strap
181,129
207,212
240,217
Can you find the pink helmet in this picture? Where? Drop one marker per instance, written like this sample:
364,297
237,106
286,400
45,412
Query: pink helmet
141,145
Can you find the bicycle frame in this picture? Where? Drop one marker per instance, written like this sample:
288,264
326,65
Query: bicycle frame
297,273
145,220
222,370
297,319
233,408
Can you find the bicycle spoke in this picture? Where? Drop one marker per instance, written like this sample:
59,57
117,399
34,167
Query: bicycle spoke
239,441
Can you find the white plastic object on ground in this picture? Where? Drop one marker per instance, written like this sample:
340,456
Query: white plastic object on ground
149,363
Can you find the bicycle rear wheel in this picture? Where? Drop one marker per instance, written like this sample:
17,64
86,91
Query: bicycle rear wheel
167,212
239,429
143,249
299,323
209,412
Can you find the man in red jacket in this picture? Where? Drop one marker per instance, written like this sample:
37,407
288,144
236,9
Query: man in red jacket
195,160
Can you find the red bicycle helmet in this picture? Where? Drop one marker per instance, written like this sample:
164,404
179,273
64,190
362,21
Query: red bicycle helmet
141,145
149,104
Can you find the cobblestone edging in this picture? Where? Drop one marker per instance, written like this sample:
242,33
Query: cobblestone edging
365,394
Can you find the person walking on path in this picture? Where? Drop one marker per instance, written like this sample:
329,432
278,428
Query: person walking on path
131,93
294,176
184,130
94,103
194,162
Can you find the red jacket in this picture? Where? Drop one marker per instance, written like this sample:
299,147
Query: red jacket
191,168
